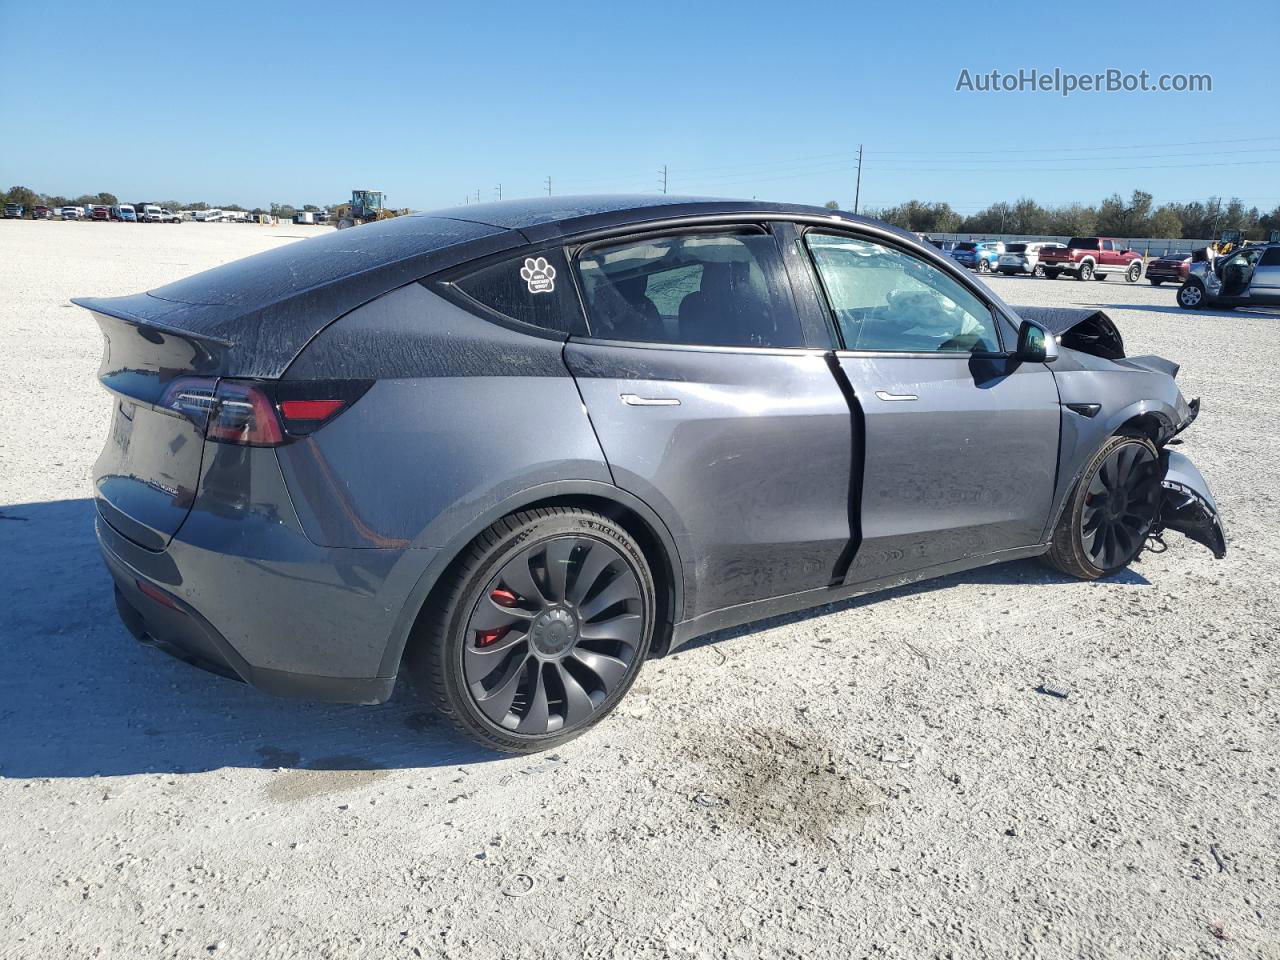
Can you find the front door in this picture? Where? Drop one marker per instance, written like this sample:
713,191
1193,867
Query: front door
1265,287
961,442
712,407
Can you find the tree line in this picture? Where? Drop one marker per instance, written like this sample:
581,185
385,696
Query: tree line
29,198
1113,217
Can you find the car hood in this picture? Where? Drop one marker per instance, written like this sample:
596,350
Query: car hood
1089,331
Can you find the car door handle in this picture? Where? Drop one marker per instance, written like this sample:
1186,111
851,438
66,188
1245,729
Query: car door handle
631,400
885,395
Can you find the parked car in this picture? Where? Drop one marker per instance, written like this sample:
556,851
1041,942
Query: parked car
1249,277
41,212
70,213
13,211
148,213
100,212
1022,258
124,213
518,448
1088,257
1172,267
982,255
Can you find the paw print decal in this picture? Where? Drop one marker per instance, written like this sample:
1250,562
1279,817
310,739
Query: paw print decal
540,275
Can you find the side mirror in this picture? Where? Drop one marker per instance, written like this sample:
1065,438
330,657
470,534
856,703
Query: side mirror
1035,344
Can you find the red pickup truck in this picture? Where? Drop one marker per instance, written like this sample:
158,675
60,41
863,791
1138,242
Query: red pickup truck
1088,257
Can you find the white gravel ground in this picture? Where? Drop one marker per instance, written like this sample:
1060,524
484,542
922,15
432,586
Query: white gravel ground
880,780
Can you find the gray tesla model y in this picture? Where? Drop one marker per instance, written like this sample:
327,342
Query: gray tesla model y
520,448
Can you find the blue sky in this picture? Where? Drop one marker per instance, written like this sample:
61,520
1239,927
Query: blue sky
300,102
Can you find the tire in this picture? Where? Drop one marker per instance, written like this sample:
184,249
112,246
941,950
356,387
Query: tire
1123,474
1191,295
554,640
1039,271
1155,283
984,266
1134,273
1085,272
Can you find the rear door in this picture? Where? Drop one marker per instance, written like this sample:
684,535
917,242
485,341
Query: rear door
961,442
715,406
1265,286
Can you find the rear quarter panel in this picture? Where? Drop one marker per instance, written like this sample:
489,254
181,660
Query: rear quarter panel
466,414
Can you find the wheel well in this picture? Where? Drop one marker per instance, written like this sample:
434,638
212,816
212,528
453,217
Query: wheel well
1149,425
660,563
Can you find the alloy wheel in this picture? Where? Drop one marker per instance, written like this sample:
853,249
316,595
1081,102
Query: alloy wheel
554,633
1120,506
1190,296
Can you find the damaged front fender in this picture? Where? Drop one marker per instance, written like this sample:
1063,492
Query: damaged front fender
1187,505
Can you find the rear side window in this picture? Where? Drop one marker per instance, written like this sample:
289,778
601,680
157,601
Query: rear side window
1270,257
706,289
533,288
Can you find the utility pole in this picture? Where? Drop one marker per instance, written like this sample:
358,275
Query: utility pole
663,171
857,190
477,194
548,185
499,191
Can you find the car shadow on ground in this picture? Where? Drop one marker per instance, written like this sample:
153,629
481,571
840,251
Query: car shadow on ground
1017,572
79,696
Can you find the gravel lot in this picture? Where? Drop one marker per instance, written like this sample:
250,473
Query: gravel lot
880,780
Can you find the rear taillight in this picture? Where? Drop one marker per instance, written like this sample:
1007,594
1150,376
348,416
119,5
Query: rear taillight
244,415
256,413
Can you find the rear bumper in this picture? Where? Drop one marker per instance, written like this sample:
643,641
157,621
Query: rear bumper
241,590
177,628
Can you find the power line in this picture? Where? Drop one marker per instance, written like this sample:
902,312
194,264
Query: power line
1168,166
857,190
1131,156
1109,146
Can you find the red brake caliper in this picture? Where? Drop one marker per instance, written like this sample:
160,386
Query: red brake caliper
503,598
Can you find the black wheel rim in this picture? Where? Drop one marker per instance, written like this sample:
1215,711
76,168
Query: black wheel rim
1120,506
553,635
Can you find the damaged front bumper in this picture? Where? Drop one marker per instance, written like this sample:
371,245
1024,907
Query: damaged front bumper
1187,505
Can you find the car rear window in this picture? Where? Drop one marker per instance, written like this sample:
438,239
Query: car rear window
722,289
1083,243
966,246
1015,248
533,288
